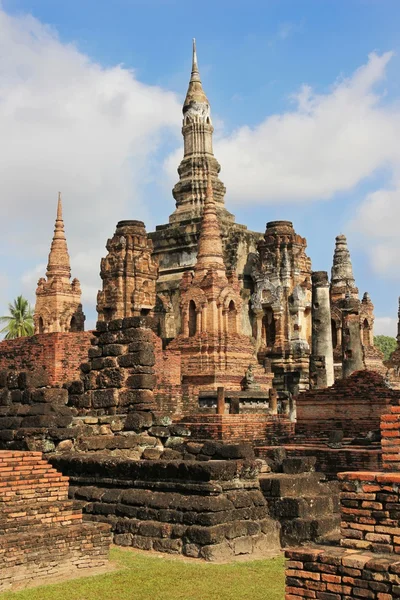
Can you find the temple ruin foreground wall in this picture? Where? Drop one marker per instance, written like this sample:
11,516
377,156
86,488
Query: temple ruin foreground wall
367,563
212,510
329,573
59,354
41,532
370,511
353,405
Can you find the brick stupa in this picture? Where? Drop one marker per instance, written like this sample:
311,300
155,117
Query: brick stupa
58,301
210,311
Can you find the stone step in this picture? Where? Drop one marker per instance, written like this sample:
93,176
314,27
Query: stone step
307,507
30,490
15,464
19,479
301,464
283,485
298,531
17,517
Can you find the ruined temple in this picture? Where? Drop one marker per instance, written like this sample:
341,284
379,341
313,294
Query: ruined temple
352,320
184,420
58,305
281,304
211,308
128,273
223,297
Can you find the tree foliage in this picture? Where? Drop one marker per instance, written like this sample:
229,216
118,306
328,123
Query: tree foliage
19,323
386,344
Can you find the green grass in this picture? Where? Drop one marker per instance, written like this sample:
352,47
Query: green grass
147,577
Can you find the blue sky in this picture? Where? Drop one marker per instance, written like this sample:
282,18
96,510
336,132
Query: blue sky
306,125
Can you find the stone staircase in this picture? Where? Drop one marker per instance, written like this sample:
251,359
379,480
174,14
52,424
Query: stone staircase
306,505
41,532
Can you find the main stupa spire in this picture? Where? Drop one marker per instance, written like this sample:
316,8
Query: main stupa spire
196,102
198,157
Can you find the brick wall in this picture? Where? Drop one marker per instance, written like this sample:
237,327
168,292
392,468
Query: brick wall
242,427
60,354
41,530
353,405
367,563
167,364
370,511
340,574
390,430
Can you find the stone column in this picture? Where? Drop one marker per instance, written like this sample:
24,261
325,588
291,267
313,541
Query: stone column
273,401
352,351
321,330
220,401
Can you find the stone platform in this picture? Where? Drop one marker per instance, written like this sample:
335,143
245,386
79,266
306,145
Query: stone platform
41,532
212,510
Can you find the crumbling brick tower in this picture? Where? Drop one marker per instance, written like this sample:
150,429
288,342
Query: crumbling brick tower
213,348
373,357
344,295
281,304
58,301
342,285
129,274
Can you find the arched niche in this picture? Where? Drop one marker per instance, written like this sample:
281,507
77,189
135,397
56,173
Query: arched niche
232,317
269,327
192,318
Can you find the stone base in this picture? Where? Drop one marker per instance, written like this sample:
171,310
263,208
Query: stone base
211,510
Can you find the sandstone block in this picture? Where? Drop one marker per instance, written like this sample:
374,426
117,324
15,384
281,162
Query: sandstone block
141,381
135,397
110,378
136,421
104,398
50,395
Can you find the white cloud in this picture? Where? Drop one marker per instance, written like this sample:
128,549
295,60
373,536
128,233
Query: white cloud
377,220
327,144
385,326
69,124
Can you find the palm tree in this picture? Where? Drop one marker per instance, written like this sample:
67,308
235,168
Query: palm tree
20,320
